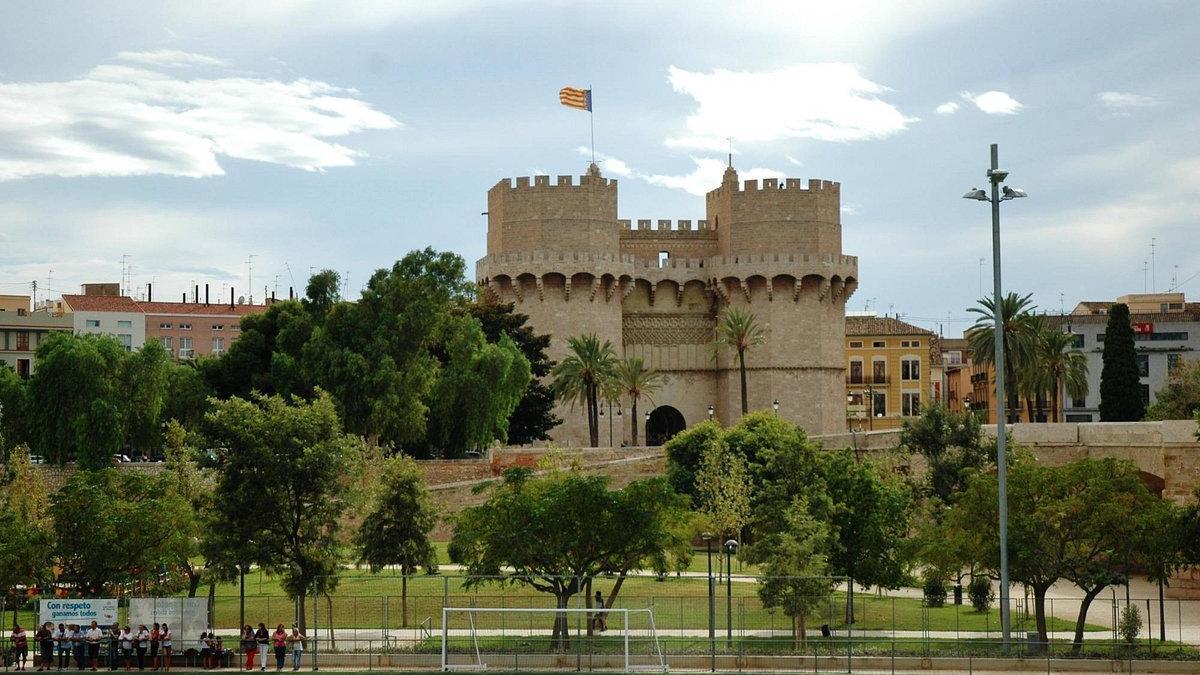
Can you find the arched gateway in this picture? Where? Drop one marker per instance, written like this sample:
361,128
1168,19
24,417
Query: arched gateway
663,424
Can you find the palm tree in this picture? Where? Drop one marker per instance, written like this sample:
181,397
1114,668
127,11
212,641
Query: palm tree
1063,367
1020,329
635,381
739,331
580,376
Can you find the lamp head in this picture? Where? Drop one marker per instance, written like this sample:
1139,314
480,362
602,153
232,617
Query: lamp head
731,546
775,405
1013,193
977,194
997,175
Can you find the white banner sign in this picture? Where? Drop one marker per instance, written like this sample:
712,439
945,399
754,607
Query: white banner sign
83,612
187,617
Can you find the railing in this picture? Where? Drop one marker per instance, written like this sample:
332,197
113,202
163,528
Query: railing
867,379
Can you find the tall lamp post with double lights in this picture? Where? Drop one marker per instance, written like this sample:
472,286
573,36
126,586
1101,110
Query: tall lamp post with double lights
730,548
996,176
708,538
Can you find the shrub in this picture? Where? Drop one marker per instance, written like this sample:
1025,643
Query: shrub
1130,625
981,593
935,590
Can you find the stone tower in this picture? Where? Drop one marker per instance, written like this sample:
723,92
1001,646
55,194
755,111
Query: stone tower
656,289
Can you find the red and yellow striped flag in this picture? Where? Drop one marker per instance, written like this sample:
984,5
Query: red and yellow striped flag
576,98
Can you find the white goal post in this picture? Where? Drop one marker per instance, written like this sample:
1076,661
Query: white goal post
649,633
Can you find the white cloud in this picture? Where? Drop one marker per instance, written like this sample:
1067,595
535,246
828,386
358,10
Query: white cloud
608,164
171,58
947,108
1123,100
706,176
793,161
994,102
125,121
824,101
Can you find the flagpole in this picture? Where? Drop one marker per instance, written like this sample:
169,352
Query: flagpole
592,122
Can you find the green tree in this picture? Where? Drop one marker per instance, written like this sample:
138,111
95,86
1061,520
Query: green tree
1060,368
116,527
1120,387
684,452
868,523
267,356
290,462
78,400
1020,328
723,490
321,294
556,533
14,411
26,540
579,378
143,381
534,416
195,485
187,394
374,355
635,380
738,331
396,529
1179,400
477,388
794,574
951,442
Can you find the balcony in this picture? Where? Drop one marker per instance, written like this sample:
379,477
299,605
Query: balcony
863,380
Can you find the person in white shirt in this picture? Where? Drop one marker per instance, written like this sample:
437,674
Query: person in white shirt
62,643
164,639
93,636
143,645
127,645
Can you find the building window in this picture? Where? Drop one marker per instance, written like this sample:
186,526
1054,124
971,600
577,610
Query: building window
910,369
879,403
164,326
1078,343
1173,362
879,343
23,341
856,345
92,323
1079,417
910,404
165,341
1145,394
218,345
910,343
124,324
23,368
185,326
218,327
1079,403
879,371
1143,361
856,372
185,347
126,341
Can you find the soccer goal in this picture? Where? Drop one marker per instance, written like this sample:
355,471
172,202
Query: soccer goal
548,638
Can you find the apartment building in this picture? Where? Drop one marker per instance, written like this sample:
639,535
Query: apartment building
890,371
22,330
186,329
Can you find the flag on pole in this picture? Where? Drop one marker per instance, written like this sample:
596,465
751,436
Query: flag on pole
576,98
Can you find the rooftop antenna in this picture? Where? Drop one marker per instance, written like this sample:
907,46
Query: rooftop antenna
34,285
288,267
250,276
1153,278
124,274
1175,278
1145,270
50,283
346,284
276,289
1061,307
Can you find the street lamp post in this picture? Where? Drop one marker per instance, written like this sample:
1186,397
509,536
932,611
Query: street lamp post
711,410
712,600
730,548
775,406
996,176
619,415
870,408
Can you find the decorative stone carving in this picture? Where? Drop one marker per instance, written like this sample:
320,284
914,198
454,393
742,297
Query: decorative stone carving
668,329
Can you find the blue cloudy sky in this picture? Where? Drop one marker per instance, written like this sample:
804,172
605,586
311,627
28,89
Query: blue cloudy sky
191,135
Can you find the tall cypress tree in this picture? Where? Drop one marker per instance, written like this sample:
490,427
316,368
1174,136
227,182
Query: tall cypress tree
1120,389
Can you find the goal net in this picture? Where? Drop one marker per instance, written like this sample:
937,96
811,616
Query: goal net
512,638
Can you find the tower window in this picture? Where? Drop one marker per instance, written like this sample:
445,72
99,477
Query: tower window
662,258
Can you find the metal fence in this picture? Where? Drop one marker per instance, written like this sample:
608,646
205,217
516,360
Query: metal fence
697,622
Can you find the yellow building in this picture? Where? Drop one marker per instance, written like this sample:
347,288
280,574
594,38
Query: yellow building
889,372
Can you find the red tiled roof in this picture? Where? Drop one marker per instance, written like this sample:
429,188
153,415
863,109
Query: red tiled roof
875,325
118,303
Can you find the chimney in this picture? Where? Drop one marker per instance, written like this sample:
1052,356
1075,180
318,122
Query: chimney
291,294
205,295
184,296
196,294
231,297
149,293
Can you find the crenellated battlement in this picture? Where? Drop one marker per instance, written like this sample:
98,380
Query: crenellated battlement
543,183
812,185
664,226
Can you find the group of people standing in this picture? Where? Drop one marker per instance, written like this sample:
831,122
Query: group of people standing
261,642
73,640
125,646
